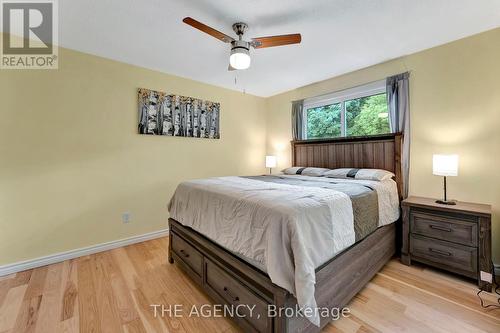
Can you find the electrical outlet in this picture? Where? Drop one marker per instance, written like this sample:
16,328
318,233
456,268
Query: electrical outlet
126,217
487,277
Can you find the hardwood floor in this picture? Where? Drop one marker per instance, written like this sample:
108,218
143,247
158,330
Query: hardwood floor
112,292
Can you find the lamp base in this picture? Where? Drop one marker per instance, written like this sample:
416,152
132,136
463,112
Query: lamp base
446,202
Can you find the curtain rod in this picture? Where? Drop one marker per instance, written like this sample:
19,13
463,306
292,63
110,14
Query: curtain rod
353,87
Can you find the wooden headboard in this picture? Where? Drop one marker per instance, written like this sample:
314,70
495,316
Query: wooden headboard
378,152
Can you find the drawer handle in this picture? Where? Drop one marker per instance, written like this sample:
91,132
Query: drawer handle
234,298
444,253
186,255
438,227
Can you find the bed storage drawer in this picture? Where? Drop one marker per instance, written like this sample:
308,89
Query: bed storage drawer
455,257
239,297
450,229
187,254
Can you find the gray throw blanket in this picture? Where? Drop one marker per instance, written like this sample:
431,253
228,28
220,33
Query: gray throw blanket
363,197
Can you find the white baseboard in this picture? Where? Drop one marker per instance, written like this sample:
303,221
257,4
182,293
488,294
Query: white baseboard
58,257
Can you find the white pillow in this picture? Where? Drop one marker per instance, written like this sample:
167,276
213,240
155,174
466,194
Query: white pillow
374,174
364,174
313,172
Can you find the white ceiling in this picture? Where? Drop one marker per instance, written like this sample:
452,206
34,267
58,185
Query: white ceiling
338,36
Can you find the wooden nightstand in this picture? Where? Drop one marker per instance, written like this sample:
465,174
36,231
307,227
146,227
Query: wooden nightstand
454,238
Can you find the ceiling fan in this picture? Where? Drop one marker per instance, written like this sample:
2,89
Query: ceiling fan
240,49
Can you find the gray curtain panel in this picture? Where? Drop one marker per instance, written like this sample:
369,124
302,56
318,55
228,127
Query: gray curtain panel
298,120
398,101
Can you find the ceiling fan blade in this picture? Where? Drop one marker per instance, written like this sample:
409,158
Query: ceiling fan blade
206,29
271,41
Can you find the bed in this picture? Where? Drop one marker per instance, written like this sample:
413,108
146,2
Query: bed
335,263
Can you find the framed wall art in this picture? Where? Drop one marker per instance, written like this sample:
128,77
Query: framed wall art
175,115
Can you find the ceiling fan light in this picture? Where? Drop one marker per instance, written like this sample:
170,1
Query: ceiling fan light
239,58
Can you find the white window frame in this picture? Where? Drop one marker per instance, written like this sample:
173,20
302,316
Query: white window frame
366,90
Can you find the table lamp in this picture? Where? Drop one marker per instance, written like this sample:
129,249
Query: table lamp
270,162
445,165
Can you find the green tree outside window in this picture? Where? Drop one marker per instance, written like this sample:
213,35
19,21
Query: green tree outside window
367,116
324,121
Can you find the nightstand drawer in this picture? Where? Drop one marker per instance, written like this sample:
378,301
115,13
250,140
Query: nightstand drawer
443,227
455,257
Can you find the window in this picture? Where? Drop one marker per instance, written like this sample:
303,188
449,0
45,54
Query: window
355,112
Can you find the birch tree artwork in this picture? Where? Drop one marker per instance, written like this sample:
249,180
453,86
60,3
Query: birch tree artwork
175,115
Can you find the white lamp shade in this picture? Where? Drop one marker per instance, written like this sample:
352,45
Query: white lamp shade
270,161
445,165
240,59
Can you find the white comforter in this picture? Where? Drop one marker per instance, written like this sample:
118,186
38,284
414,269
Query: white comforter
289,229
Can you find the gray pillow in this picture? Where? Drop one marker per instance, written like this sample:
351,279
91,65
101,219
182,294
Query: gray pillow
313,172
362,174
341,173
